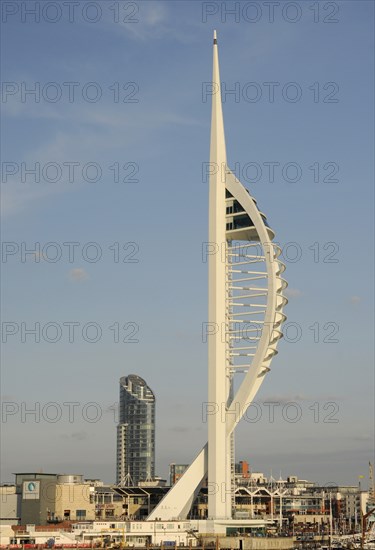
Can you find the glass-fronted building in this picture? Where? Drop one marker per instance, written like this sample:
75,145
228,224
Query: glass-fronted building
135,432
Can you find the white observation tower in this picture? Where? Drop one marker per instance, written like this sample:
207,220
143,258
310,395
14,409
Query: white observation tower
245,314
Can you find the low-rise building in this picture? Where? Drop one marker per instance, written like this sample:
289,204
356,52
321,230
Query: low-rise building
109,504
53,498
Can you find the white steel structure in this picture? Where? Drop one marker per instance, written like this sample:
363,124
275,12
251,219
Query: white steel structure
246,301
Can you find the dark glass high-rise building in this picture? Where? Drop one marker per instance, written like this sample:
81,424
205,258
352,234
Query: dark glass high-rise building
135,432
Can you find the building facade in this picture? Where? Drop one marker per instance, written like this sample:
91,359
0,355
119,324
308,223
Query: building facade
9,504
135,432
54,498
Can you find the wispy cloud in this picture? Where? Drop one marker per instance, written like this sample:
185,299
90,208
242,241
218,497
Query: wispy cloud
16,197
89,137
78,275
109,116
285,398
293,292
154,13
76,436
180,429
298,398
153,22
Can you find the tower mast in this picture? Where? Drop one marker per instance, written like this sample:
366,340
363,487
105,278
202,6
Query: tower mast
218,454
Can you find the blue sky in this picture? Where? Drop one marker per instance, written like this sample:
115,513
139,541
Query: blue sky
163,61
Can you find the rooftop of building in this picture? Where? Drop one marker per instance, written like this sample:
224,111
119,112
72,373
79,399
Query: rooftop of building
34,474
141,491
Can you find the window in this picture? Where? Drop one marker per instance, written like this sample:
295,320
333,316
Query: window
243,221
81,514
237,207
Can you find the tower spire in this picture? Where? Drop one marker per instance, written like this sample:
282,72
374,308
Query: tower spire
218,150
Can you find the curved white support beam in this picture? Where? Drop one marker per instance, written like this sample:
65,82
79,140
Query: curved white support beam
253,381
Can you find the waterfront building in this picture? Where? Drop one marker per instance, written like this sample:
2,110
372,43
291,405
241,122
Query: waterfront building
85,510
109,505
135,432
74,499
34,492
54,498
138,502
